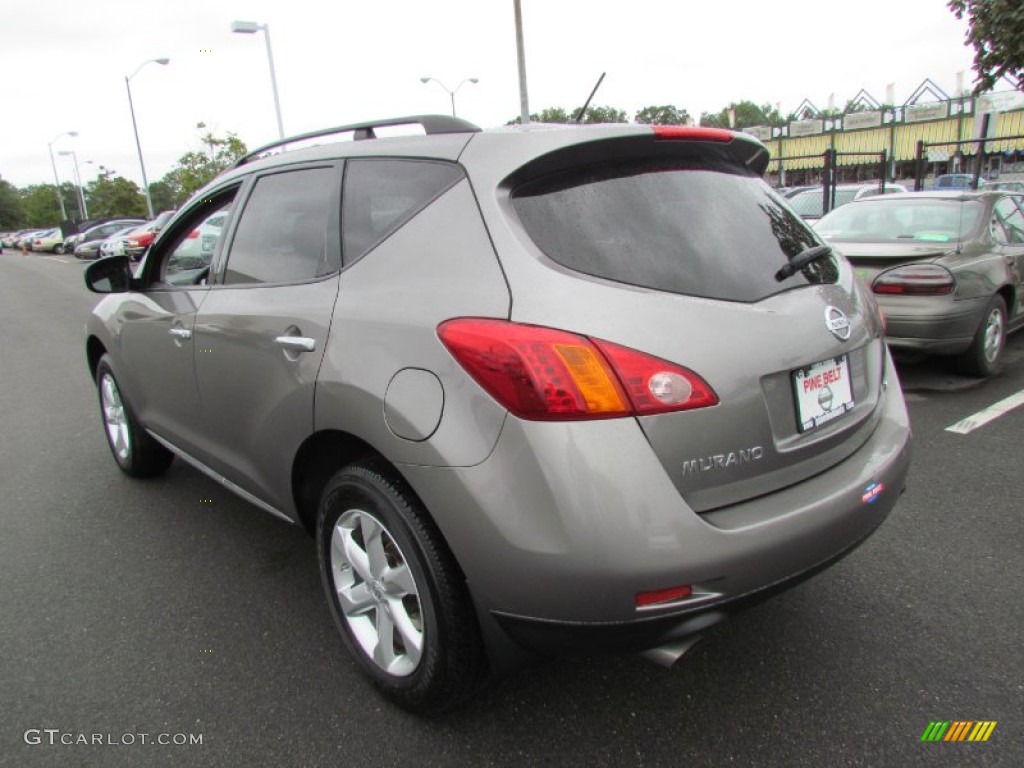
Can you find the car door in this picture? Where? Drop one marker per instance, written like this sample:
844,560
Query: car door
157,333
261,330
1009,212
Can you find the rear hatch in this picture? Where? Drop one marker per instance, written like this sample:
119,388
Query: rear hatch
671,245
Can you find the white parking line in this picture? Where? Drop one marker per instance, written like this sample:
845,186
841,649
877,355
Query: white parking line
984,416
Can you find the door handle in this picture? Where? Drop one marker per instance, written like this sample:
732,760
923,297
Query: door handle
297,343
180,333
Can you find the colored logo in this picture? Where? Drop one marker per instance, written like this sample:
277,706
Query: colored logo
958,730
872,492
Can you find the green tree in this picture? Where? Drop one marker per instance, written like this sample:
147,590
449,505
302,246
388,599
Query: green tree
12,213
602,115
996,31
560,115
111,195
162,195
39,203
196,168
664,115
550,115
747,114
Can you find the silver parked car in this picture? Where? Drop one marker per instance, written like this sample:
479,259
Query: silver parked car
810,202
946,268
536,391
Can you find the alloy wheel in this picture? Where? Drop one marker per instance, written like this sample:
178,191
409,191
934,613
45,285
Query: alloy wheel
377,592
115,417
994,333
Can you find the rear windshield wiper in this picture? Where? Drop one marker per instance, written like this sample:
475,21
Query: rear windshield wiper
801,260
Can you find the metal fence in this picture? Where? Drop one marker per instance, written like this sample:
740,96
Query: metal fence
982,158
830,162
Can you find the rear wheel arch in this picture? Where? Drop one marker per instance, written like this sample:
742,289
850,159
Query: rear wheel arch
1009,294
94,350
317,460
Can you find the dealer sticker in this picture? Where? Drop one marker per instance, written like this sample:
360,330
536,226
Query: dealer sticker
823,392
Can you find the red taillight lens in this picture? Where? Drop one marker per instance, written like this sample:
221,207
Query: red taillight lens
655,385
915,280
547,374
692,133
670,595
192,235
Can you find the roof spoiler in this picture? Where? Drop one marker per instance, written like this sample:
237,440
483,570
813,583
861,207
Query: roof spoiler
432,124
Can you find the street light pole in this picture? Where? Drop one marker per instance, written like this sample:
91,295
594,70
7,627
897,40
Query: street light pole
251,28
135,128
56,179
451,93
83,211
524,101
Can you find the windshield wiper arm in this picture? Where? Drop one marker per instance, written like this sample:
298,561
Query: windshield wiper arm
801,260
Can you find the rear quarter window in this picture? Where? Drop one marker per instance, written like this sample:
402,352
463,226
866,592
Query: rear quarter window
382,194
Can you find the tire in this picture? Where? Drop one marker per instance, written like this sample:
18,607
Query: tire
134,449
58,249
405,613
985,355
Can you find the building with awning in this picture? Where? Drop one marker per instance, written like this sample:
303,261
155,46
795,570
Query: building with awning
858,139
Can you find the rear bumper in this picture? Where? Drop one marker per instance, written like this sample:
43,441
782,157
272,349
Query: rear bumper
944,330
561,527
554,638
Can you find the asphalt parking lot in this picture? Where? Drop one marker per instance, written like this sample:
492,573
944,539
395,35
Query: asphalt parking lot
174,610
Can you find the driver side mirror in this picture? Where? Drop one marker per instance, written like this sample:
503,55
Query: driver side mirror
110,275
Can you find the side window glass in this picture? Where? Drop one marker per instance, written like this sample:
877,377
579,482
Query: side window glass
186,258
282,233
382,195
1012,219
194,251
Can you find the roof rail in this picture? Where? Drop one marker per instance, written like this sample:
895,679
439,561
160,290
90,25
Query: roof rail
431,124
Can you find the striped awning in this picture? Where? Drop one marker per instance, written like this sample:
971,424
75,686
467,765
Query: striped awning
1010,124
935,131
898,140
804,152
872,140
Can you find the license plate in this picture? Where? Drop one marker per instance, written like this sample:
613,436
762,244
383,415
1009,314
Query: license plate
822,392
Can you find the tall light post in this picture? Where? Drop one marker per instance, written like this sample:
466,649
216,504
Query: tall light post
135,128
83,211
56,179
251,28
524,101
451,93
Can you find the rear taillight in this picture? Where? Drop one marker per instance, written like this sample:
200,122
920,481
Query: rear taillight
915,280
192,235
692,133
546,374
658,596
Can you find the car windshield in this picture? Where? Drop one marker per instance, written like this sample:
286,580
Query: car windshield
889,220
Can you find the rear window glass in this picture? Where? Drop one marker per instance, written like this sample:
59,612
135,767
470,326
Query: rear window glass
699,227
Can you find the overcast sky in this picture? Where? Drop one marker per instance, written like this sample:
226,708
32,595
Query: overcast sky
63,65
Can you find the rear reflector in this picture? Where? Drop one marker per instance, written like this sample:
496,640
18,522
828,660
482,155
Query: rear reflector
657,596
547,374
692,133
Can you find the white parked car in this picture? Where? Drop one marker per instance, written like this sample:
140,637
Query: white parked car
114,245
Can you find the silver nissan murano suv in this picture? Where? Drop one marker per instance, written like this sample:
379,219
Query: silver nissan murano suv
536,391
